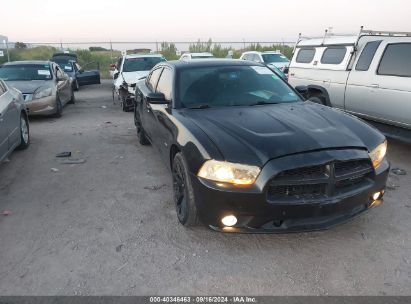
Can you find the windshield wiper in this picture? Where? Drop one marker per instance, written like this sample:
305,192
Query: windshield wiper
260,103
200,106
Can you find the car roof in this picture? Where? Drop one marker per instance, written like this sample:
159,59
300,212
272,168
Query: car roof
40,62
187,64
265,52
337,40
199,54
142,55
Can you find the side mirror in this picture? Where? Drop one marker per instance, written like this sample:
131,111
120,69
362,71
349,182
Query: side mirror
303,90
156,98
115,76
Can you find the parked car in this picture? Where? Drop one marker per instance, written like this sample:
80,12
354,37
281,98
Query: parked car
129,69
188,56
14,123
271,58
45,86
248,154
80,77
368,75
273,68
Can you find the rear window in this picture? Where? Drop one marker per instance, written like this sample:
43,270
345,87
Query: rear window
367,55
396,60
305,55
333,55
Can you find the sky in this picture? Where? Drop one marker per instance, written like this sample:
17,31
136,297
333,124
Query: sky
181,20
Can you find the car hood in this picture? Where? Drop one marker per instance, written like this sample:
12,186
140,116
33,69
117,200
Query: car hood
133,77
29,87
254,135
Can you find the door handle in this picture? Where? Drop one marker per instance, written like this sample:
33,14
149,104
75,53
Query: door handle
375,86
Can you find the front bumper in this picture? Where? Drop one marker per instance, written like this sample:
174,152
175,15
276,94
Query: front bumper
42,106
258,214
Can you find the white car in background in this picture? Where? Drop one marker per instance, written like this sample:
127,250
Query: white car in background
273,58
129,69
188,56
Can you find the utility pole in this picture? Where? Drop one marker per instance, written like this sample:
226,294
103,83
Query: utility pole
111,50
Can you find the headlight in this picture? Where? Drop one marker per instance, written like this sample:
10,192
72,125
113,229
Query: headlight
377,155
226,172
41,93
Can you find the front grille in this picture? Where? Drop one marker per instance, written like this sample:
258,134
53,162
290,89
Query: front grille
320,181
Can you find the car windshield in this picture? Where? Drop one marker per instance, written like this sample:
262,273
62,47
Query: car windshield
66,66
25,72
232,86
141,63
269,58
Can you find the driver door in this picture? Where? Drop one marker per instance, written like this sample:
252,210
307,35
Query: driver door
87,77
63,85
148,118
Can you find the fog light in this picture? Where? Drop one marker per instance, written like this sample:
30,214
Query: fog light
229,220
376,196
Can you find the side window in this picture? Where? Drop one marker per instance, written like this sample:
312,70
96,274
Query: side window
333,55
153,78
367,55
165,84
396,60
305,55
245,57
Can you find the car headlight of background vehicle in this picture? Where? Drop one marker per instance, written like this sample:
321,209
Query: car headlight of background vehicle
377,155
42,92
225,172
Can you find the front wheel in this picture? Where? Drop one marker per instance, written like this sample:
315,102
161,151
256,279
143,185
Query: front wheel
76,85
24,133
73,98
59,108
183,193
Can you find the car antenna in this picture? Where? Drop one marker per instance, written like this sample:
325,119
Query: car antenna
325,36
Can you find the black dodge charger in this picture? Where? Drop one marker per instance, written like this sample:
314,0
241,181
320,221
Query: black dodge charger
248,154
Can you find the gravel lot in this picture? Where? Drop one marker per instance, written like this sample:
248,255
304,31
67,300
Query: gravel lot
108,226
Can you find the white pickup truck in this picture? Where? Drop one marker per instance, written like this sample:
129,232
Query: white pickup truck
368,75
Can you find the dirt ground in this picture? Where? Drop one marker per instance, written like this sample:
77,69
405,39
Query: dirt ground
108,226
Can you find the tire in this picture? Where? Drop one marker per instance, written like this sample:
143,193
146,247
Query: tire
73,98
142,138
76,86
183,193
124,106
141,134
24,133
318,99
59,108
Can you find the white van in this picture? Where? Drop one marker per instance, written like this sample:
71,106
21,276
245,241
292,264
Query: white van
368,75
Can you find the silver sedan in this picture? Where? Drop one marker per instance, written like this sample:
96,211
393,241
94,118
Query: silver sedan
14,124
